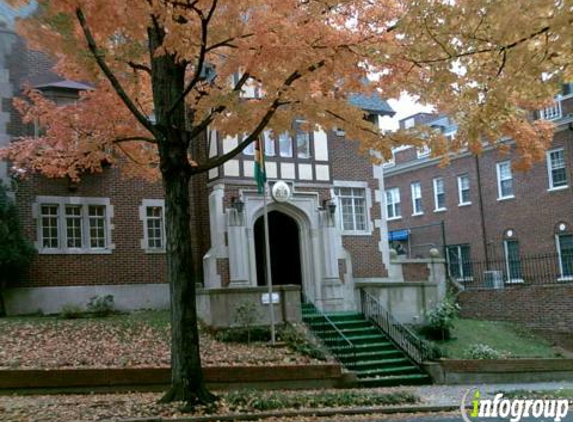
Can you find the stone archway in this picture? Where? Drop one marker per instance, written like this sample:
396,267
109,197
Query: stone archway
285,249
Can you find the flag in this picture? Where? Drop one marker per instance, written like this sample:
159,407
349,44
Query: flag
260,173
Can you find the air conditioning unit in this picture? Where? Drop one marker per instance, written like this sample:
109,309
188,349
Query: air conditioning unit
493,279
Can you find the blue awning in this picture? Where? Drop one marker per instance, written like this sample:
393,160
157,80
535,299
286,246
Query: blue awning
398,235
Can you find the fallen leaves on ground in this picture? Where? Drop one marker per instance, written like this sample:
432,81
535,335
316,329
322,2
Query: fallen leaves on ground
118,342
113,407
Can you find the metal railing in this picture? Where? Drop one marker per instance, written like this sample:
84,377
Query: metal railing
414,347
521,270
337,339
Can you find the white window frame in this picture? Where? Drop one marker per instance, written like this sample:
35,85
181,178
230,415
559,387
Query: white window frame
143,218
416,192
396,201
435,185
510,280
461,202
552,112
558,247
550,169
84,202
423,152
498,166
368,196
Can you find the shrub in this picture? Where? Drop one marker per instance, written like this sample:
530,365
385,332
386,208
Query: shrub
71,311
246,315
16,252
101,306
482,351
441,320
298,340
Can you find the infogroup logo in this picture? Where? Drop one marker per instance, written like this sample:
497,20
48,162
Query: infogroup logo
513,410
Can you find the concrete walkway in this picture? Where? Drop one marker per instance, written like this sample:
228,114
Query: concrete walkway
448,395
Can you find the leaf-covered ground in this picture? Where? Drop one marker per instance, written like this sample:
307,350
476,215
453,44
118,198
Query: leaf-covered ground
112,407
135,340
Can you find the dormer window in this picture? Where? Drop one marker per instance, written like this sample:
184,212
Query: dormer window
551,112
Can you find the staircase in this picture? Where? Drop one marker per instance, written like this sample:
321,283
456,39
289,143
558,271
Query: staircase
362,347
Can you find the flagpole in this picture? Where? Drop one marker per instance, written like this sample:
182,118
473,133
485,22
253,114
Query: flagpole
268,265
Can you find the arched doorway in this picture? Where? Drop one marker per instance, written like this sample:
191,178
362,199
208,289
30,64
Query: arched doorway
285,249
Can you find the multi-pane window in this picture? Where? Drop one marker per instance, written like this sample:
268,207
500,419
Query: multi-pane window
96,215
423,151
416,189
512,261
504,180
551,112
302,144
352,206
393,206
154,227
464,189
556,168
439,194
49,221
269,143
250,149
285,144
565,253
73,225
459,264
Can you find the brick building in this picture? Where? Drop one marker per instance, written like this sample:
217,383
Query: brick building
485,214
105,235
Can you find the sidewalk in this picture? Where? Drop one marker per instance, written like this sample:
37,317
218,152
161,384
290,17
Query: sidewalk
449,395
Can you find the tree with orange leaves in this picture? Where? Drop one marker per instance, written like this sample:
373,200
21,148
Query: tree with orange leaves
165,71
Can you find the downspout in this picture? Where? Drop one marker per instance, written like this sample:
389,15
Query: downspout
482,213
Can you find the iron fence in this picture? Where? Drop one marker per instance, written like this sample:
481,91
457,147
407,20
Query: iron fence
505,272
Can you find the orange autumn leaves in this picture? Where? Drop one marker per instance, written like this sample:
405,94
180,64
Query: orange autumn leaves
486,67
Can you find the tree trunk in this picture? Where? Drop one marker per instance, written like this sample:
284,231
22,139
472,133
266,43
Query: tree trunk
187,383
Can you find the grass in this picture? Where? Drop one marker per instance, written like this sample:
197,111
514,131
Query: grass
272,400
564,393
507,338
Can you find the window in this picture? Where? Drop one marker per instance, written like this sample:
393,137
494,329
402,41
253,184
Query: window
565,255
512,261
409,123
352,209
393,206
269,143
504,180
152,214
73,225
556,169
285,145
423,151
439,194
552,112
302,144
416,190
459,264
464,189
250,149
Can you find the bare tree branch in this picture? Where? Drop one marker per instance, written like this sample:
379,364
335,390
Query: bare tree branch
100,59
134,138
138,66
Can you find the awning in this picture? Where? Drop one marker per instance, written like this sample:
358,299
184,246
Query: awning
398,235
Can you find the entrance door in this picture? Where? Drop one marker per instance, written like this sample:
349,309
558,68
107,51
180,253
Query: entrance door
285,250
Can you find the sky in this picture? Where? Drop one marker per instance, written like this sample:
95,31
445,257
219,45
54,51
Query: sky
405,106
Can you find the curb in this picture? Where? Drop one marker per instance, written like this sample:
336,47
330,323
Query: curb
386,410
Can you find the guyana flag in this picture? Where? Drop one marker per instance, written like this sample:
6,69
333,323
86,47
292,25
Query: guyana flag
260,173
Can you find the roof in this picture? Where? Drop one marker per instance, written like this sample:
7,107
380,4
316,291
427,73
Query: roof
65,84
9,14
372,103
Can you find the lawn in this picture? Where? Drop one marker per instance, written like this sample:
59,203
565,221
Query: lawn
507,338
140,339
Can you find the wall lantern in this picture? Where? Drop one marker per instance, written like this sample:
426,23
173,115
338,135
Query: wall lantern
237,204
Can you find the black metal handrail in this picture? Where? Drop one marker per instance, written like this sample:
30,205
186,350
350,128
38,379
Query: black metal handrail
342,342
414,347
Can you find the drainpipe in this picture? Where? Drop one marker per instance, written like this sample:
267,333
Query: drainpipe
482,213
